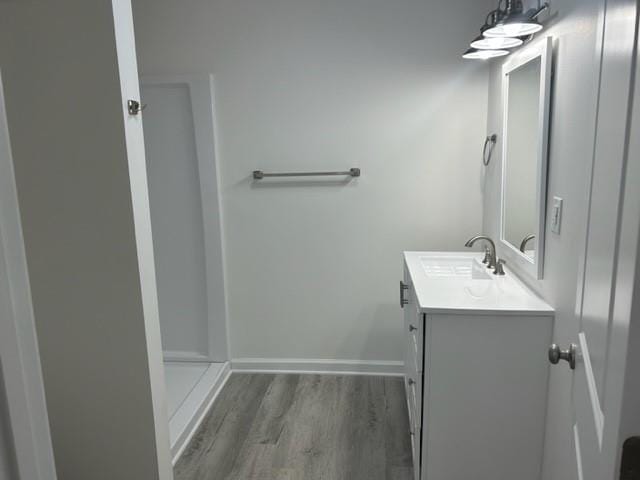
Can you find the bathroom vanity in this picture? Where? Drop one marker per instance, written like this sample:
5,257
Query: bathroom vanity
475,369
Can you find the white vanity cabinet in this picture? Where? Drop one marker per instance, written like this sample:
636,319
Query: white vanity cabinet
475,371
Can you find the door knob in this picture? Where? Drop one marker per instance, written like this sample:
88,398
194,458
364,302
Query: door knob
556,354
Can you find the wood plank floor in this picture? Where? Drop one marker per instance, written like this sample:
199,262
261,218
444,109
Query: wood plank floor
302,427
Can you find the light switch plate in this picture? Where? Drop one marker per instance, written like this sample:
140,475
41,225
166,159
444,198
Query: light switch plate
556,215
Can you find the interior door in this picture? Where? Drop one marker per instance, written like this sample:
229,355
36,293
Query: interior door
26,451
597,359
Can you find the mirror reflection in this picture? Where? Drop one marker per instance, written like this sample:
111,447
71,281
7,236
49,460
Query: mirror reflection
521,158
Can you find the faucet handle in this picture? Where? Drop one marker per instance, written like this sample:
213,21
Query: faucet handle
499,270
487,256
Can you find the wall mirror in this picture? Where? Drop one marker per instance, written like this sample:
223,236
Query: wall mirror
526,81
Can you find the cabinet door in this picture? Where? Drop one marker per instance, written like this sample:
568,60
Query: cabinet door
485,396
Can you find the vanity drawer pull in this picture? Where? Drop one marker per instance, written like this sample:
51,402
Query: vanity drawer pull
412,328
412,381
403,287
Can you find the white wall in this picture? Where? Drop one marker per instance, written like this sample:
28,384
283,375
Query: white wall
93,287
313,267
575,27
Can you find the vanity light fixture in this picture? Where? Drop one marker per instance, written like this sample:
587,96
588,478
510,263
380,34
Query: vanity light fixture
495,43
505,28
478,54
515,22
484,48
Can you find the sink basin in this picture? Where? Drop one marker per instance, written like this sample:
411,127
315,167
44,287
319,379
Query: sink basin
448,282
463,268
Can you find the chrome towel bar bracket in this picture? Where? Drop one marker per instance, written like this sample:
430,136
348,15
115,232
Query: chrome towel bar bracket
259,174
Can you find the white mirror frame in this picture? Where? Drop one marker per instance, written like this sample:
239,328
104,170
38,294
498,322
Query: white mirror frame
513,256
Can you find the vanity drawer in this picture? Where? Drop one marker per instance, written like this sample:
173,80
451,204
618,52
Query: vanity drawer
415,452
415,353
412,362
414,339
411,409
415,430
413,391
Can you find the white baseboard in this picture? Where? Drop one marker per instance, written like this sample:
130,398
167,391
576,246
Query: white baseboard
186,425
183,356
318,366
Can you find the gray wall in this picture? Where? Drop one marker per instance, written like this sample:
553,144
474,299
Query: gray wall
65,114
176,215
313,267
630,415
574,27
7,453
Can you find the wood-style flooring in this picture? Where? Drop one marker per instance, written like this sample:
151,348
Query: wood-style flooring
302,427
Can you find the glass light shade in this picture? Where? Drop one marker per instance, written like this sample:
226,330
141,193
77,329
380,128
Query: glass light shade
513,29
495,43
474,54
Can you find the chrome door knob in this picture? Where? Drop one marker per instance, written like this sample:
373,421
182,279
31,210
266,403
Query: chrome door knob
556,354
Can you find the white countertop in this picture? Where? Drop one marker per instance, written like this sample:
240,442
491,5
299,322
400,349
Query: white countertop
450,293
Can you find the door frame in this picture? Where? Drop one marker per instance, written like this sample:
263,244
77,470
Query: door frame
201,95
19,354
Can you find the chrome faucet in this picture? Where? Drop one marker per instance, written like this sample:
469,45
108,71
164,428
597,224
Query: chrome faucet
490,254
525,240
487,256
